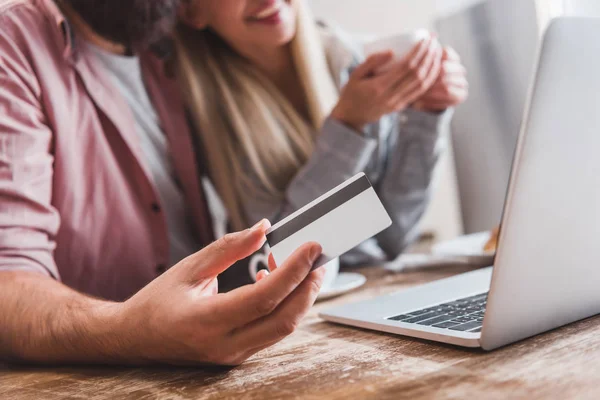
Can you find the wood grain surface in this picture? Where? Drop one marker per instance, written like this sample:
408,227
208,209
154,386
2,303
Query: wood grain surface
323,360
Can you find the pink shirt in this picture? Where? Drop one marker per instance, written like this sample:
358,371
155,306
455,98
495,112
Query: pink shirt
76,201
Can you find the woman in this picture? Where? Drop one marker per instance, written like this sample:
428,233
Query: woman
287,110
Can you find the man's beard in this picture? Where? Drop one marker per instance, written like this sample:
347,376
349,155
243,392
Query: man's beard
136,24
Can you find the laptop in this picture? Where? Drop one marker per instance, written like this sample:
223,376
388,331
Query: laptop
546,272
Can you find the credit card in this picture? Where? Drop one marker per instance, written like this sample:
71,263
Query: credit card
339,220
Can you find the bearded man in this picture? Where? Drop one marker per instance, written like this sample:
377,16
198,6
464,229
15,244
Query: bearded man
100,194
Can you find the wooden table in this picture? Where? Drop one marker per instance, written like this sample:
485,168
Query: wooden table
322,360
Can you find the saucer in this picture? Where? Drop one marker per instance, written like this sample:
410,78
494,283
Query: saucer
344,283
467,249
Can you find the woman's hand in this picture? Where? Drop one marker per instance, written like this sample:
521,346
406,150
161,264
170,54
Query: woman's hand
451,87
180,319
370,95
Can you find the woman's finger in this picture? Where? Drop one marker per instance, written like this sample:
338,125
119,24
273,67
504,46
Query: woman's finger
451,54
411,90
372,63
454,97
453,68
403,68
454,81
414,59
446,91
421,73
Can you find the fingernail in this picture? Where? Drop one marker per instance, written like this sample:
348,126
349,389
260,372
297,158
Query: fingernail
315,252
261,225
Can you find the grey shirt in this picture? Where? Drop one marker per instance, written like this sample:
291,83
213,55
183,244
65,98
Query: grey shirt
398,154
125,73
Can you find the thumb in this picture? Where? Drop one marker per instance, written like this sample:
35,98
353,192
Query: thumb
372,64
220,255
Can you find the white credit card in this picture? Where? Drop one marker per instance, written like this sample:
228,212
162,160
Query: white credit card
339,220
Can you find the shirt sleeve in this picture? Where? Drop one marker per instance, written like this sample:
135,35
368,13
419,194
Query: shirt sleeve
415,145
28,222
340,153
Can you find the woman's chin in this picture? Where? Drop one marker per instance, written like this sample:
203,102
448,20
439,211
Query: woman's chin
275,38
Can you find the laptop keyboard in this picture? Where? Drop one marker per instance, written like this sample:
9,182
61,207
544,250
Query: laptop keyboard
464,315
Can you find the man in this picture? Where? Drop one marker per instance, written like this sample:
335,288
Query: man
100,193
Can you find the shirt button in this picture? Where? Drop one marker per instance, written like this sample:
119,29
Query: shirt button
161,269
155,207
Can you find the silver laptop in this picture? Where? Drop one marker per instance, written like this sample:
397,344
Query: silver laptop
547,268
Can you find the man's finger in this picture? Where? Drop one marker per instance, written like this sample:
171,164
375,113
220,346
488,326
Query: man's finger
370,66
220,255
284,320
249,303
262,274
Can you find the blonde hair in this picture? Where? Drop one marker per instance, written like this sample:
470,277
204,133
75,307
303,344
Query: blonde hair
247,126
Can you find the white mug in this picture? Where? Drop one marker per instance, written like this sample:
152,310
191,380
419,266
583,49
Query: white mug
332,269
255,264
399,44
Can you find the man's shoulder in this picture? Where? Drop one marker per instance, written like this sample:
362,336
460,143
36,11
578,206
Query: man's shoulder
27,15
30,29
6,5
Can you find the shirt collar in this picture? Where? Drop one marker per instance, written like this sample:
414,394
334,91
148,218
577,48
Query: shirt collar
58,19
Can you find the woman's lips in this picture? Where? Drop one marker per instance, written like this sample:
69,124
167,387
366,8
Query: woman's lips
272,19
270,14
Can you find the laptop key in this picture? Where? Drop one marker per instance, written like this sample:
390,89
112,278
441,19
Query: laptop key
420,318
476,330
419,312
401,317
447,324
462,320
455,313
467,327
436,320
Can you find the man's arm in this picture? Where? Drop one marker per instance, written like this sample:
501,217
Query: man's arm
44,321
28,222
178,318
34,307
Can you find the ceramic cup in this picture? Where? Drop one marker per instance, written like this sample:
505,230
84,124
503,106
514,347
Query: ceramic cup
260,261
399,44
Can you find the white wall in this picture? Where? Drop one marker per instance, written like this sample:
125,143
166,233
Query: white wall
583,7
376,16
387,17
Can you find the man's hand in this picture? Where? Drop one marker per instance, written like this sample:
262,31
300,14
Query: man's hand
372,92
451,87
180,319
